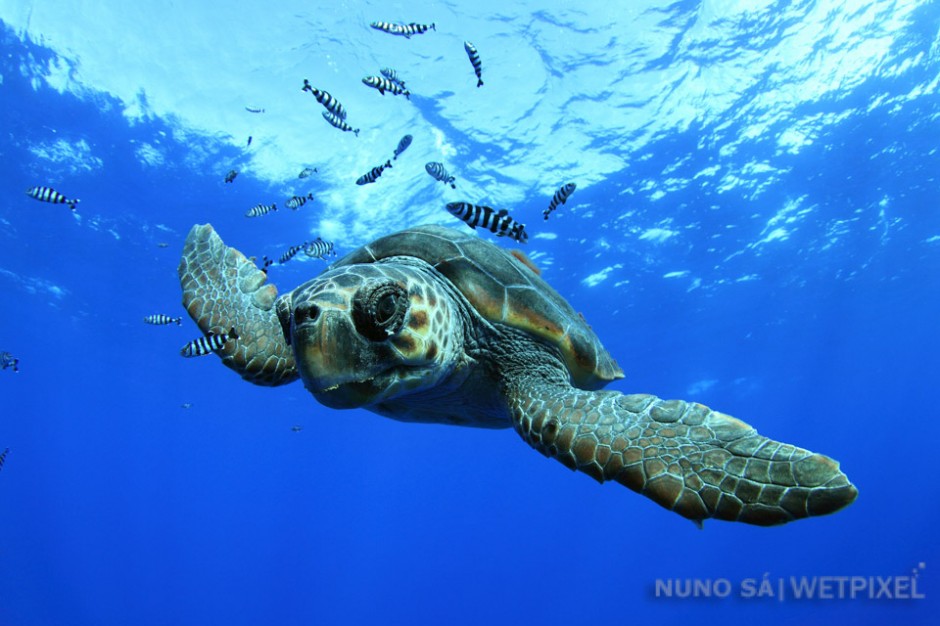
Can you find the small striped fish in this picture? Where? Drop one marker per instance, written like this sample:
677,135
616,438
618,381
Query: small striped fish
405,30
3,456
260,209
338,123
384,84
319,249
162,320
402,146
497,222
291,252
323,97
307,171
254,110
437,171
387,27
207,344
415,29
373,174
298,201
560,197
475,61
48,194
8,360
230,177
392,75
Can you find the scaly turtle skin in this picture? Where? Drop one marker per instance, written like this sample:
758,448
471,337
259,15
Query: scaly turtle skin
430,325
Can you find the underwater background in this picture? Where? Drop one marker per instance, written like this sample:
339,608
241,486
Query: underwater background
756,227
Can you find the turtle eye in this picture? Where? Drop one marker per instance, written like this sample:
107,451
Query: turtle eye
379,310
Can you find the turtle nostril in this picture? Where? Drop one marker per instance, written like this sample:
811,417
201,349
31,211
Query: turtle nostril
306,313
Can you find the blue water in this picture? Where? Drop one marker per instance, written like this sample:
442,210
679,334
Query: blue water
756,227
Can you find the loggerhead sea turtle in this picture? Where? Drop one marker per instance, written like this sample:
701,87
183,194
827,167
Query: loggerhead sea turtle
433,325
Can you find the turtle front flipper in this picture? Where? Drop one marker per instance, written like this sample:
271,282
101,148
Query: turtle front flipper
692,460
223,290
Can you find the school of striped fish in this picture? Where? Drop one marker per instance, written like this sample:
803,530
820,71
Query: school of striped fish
497,221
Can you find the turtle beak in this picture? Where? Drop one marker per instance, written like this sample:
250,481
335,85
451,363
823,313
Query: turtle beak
332,358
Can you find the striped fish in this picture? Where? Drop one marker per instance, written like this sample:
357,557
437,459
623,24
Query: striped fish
475,61
3,456
373,174
388,27
319,249
260,209
231,176
48,194
560,197
323,97
437,171
8,360
291,253
254,110
307,171
162,320
207,344
497,222
392,75
298,201
402,146
384,84
339,123
415,29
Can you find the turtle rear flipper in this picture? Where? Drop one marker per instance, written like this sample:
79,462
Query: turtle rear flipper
692,460
223,290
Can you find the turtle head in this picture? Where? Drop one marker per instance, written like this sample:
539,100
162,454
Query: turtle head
365,334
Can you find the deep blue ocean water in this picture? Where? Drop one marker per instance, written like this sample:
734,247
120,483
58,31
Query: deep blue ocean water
775,258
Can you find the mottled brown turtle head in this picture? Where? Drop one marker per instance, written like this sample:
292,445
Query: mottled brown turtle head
364,334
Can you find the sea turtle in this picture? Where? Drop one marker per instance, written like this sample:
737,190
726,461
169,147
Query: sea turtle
434,325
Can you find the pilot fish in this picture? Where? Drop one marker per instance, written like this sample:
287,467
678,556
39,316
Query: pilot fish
291,253
475,61
230,176
402,146
392,75
8,360
3,456
560,197
307,171
384,84
406,30
298,201
338,123
207,344
332,104
48,194
260,209
254,110
373,174
415,29
387,27
497,222
319,249
436,170
162,320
